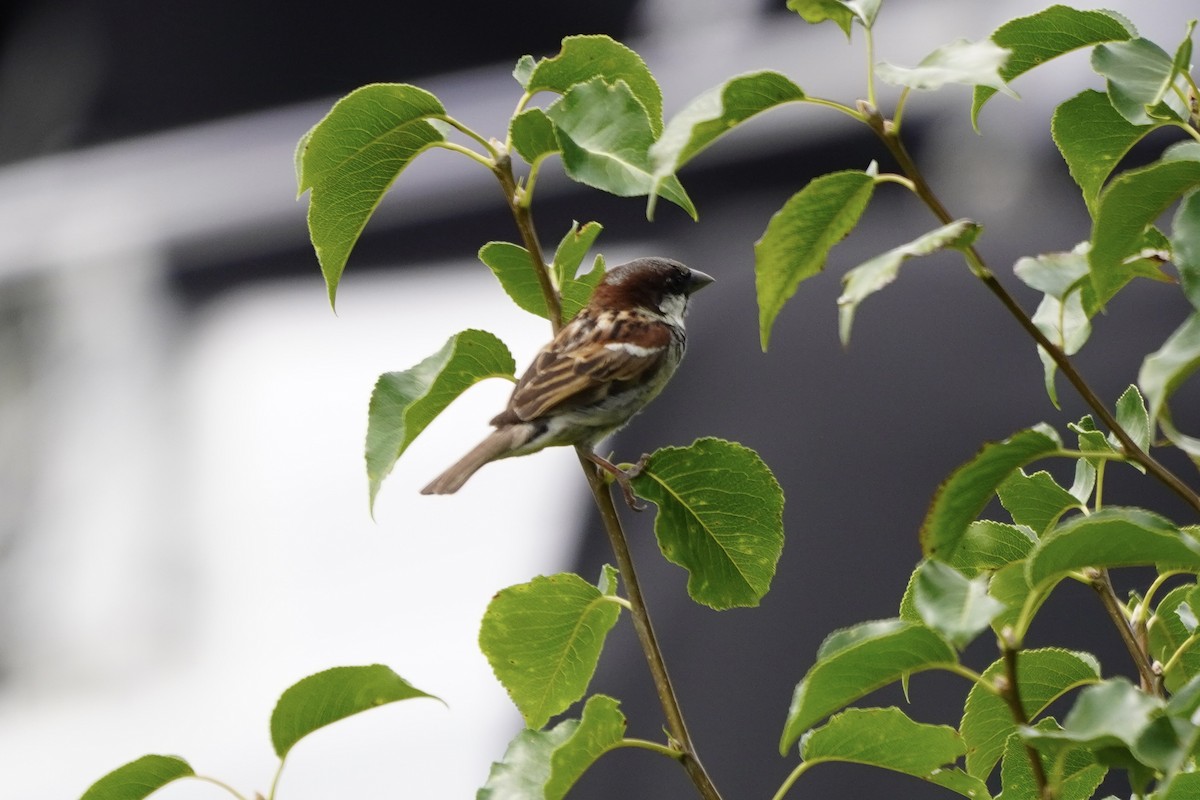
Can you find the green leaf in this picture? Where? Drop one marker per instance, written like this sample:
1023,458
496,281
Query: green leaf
332,695
511,265
855,661
1093,137
138,779
545,764
1169,635
1035,501
1133,417
1067,306
961,498
1131,203
523,70
955,606
720,517
885,738
1077,774
605,137
583,58
543,639
1046,35
1185,246
713,114
1141,77
870,277
843,12
1108,713
960,61
577,291
572,248
1112,537
351,157
532,135
800,235
1010,585
404,403
1164,370
1184,786
1043,675
990,545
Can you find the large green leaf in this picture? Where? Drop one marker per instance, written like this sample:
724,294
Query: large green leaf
855,661
1043,36
1109,713
959,62
965,493
1144,84
957,607
404,403
720,517
139,779
872,276
800,235
351,157
887,738
713,114
583,58
1112,537
543,639
545,764
1126,208
1035,501
332,695
605,138
1093,137
1043,676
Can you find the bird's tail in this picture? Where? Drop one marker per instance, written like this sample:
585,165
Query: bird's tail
500,443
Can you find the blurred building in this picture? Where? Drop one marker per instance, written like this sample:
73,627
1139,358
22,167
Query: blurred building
183,520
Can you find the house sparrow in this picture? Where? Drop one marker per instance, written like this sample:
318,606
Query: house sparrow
602,367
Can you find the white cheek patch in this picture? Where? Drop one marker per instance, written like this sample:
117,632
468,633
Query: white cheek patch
633,349
673,308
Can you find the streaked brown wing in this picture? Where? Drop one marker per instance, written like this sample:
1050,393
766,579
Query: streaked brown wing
583,374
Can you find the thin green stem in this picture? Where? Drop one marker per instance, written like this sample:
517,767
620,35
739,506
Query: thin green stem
1174,659
869,36
221,784
792,777
469,132
275,780
454,147
654,747
1142,613
901,103
971,675
645,630
1133,450
891,177
621,601
836,106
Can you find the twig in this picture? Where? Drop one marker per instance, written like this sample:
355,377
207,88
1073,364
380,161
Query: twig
645,631
1011,692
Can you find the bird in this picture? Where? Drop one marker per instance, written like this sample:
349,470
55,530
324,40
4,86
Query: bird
602,368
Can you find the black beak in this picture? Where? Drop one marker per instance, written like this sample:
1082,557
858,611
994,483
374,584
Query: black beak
698,280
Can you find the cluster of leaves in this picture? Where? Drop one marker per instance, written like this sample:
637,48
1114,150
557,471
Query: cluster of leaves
719,509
